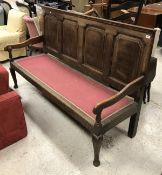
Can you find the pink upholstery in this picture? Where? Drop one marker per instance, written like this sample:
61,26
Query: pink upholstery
12,121
32,30
3,80
81,91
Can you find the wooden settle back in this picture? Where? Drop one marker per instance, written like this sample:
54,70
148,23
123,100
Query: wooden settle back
110,52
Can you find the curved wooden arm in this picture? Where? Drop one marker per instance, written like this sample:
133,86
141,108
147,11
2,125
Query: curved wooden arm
28,42
129,88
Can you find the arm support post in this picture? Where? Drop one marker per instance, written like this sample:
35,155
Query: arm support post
128,89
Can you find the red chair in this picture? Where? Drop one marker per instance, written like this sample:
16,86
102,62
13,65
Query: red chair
33,32
12,121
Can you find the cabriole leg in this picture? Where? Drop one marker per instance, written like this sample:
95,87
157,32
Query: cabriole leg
97,142
13,74
97,138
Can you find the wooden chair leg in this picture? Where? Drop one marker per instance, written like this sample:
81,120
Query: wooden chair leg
13,74
148,92
133,124
97,142
144,94
30,51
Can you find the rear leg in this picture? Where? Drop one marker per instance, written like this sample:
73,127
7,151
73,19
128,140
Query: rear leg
148,92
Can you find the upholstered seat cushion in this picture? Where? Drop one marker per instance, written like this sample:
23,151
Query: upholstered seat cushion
79,90
4,80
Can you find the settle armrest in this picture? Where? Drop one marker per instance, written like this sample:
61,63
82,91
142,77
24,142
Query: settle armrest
28,42
129,88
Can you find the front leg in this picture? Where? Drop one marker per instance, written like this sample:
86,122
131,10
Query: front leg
97,138
13,74
97,142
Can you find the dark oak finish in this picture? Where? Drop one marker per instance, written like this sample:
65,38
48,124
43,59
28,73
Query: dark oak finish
112,53
93,37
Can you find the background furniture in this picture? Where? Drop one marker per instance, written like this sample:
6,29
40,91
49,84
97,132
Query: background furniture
31,4
97,6
33,32
1,16
122,7
79,5
6,7
24,8
60,4
12,33
152,1
151,15
116,9
12,121
92,10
